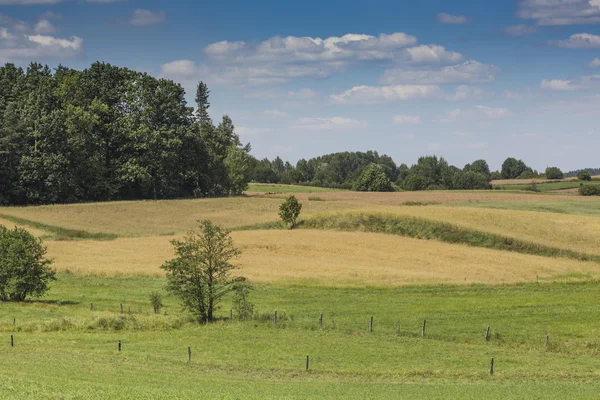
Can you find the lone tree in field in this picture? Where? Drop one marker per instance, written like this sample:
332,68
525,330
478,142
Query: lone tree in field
289,211
200,274
24,270
554,173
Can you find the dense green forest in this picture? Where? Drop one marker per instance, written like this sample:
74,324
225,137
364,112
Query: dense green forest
110,133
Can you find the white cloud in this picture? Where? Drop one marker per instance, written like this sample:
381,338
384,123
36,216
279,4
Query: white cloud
580,40
384,94
428,54
328,124
307,49
445,18
476,113
492,112
16,46
595,63
44,27
558,85
179,68
520,30
146,17
406,119
275,114
560,12
464,92
470,71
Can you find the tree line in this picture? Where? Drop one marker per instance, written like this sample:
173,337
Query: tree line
373,172
111,133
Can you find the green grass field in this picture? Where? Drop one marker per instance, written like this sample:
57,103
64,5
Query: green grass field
63,349
69,351
545,186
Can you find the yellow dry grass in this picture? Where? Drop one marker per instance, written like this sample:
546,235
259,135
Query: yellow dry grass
168,217
326,258
574,232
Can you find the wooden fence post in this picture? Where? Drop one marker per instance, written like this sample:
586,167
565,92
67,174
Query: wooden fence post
546,342
321,320
423,329
119,345
371,325
275,317
492,367
230,315
487,334
121,308
12,341
307,363
189,354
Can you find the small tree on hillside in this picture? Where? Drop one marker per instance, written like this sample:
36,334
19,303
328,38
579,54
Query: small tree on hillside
289,211
584,176
24,270
200,275
554,173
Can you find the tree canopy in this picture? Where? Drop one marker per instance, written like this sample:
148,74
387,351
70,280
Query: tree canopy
110,133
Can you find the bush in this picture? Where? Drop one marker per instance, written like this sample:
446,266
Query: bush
24,270
554,173
242,307
528,174
373,179
589,190
584,176
289,211
156,301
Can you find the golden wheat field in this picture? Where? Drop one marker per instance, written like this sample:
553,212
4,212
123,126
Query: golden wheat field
145,228
328,258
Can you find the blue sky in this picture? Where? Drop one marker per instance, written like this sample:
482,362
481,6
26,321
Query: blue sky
462,79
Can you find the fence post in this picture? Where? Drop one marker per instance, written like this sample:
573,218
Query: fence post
371,325
121,308
492,367
275,317
546,342
423,328
189,354
12,341
230,315
119,345
321,320
307,363
487,334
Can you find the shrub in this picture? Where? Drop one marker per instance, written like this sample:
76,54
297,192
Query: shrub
156,301
242,307
470,180
24,270
584,176
554,173
289,211
589,190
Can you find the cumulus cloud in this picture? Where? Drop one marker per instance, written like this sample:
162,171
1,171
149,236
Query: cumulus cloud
445,18
329,124
383,94
467,72
146,17
580,41
44,27
432,54
595,63
559,85
18,46
406,119
520,30
560,12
